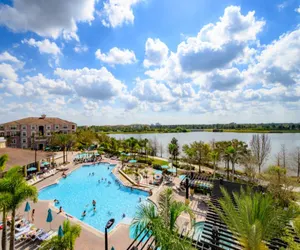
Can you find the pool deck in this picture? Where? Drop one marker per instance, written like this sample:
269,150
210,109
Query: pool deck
91,238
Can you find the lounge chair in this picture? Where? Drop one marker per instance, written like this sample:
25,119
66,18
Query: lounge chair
20,234
46,235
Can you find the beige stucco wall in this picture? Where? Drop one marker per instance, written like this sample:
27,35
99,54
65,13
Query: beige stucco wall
2,144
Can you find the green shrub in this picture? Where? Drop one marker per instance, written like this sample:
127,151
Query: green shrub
157,167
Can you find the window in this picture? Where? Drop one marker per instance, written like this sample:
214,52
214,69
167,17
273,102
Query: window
24,127
14,127
23,133
48,133
1,127
13,141
48,127
32,133
13,133
7,133
73,126
56,126
24,140
32,127
65,126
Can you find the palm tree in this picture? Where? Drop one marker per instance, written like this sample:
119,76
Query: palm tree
4,202
162,221
67,241
253,217
214,155
19,191
172,152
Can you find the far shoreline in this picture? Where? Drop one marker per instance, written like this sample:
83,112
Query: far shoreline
211,131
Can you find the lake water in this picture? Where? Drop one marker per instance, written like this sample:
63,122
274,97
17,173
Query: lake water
291,140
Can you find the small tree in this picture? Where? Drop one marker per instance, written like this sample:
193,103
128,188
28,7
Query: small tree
67,241
260,147
295,160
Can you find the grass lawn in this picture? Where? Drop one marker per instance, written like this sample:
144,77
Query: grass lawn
159,162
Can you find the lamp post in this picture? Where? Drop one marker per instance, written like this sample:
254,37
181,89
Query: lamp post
108,226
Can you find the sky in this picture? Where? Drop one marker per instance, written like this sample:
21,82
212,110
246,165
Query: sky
145,61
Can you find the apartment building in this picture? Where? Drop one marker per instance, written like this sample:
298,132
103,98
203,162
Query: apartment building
34,132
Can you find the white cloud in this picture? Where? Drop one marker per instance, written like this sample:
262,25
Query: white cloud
116,56
12,87
223,80
282,5
216,45
98,84
6,57
81,48
47,18
118,12
7,72
45,46
40,85
156,52
150,91
183,91
279,62
298,9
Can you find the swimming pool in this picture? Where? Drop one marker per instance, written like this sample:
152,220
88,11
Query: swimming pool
79,189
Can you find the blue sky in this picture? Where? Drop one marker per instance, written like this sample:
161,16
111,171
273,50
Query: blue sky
147,61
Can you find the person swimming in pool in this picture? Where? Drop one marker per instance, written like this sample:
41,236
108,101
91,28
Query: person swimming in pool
56,201
94,203
99,181
123,215
94,209
140,200
84,213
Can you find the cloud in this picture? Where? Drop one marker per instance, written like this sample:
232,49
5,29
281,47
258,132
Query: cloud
12,87
40,85
223,80
278,62
156,52
118,12
8,72
184,91
98,84
116,56
44,46
81,48
282,5
298,9
6,57
47,18
150,91
216,45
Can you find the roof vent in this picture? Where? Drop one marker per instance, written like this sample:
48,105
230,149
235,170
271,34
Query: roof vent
43,116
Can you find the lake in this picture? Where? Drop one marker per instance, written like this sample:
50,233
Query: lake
291,140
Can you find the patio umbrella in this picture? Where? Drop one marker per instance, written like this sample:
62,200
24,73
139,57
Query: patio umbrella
172,170
60,232
27,208
112,248
164,166
31,169
49,217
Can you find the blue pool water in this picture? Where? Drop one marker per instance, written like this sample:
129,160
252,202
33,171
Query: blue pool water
78,190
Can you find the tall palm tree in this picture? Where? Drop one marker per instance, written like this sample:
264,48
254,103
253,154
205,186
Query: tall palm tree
214,155
67,241
161,221
254,218
19,190
4,202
